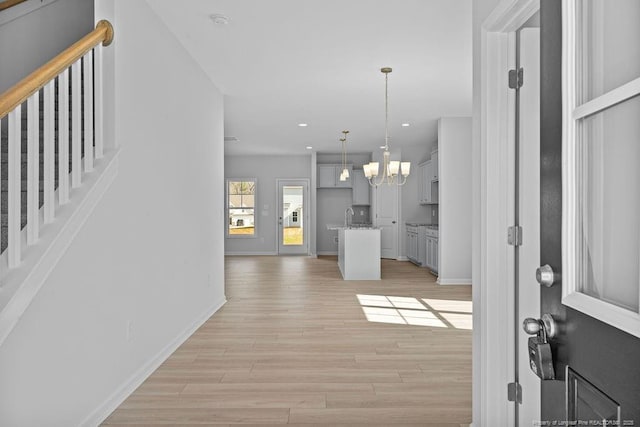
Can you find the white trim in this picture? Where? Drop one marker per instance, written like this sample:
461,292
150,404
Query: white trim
615,96
509,15
493,299
251,253
613,315
608,313
23,283
453,282
129,386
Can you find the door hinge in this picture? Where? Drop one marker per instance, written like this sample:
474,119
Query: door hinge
514,235
516,78
514,392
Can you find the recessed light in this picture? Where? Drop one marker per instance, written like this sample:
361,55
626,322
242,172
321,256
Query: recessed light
383,147
302,125
406,125
309,147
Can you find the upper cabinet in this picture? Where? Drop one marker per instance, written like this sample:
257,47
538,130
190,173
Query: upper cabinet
424,182
434,165
329,176
361,188
428,180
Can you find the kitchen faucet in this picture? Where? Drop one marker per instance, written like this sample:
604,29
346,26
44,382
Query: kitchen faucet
348,211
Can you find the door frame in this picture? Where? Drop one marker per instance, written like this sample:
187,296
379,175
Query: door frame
305,215
494,169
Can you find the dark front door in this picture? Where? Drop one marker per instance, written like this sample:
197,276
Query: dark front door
597,365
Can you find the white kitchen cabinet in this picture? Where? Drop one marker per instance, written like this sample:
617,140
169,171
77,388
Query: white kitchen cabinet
431,246
361,188
431,249
415,242
329,176
434,166
424,183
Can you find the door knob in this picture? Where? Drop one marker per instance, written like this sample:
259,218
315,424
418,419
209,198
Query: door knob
393,222
533,326
545,275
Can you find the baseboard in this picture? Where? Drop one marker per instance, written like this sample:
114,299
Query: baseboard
22,284
103,411
333,253
267,253
402,258
448,282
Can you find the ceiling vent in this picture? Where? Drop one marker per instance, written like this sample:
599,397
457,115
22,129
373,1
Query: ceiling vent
231,139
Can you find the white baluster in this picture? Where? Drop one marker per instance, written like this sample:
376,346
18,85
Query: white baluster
99,94
76,122
87,82
63,137
49,154
13,208
33,168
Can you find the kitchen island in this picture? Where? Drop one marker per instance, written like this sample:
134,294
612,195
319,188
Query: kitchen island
359,253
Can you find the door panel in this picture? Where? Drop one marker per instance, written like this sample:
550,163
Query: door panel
292,221
387,219
604,356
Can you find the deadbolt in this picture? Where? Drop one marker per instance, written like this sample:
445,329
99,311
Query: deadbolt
545,275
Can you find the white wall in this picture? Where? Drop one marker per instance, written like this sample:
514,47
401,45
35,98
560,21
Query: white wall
454,170
151,254
31,40
266,169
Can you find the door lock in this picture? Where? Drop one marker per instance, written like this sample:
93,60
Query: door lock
540,357
545,275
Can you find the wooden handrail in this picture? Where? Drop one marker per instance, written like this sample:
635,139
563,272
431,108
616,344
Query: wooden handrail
19,93
9,3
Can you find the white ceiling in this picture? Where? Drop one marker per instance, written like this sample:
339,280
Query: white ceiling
284,62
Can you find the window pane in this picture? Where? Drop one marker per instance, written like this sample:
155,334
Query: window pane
609,207
292,226
609,53
240,205
241,187
241,221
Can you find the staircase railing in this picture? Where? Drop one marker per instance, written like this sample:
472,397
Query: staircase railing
71,113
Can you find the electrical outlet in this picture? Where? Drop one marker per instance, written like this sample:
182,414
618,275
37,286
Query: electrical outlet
335,240
433,213
361,213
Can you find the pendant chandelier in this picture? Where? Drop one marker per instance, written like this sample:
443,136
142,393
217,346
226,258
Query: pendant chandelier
393,171
344,175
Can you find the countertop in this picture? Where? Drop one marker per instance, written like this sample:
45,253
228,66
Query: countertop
351,227
422,224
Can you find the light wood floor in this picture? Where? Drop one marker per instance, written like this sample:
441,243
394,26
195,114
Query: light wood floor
297,345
